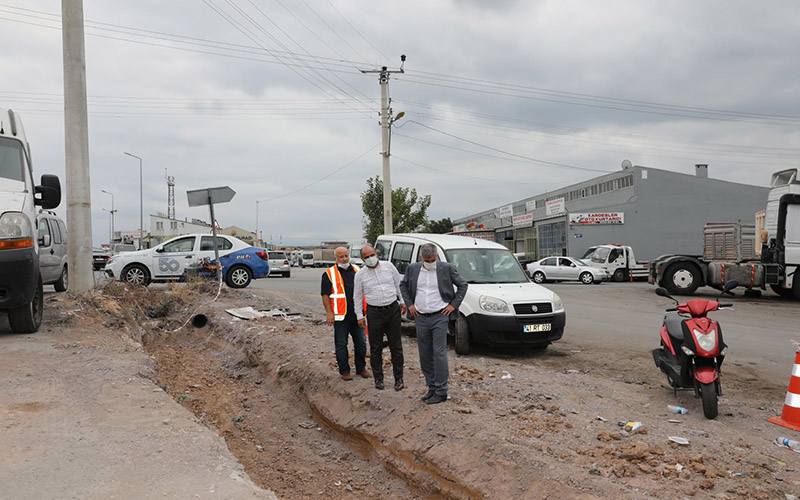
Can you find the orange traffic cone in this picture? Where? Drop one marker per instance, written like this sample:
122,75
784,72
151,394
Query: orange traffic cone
790,417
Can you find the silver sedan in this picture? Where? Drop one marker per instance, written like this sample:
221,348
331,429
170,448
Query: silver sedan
565,269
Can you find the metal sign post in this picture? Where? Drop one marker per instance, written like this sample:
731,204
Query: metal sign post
209,196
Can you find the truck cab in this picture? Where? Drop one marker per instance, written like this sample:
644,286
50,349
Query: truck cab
618,260
21,293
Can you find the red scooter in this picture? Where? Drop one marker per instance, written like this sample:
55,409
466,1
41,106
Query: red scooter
692,349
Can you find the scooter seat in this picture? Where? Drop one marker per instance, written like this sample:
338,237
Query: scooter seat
674,328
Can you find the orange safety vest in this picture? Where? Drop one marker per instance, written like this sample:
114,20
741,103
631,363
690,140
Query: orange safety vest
338,296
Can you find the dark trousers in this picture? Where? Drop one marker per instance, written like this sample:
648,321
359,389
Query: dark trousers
385,321
343,329
432,344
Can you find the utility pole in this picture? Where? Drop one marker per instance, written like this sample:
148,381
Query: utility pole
170,195
386,140
76,134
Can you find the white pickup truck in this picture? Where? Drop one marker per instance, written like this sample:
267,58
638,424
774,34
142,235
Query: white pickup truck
618,260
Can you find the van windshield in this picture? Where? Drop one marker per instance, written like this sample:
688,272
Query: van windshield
11,160
484,265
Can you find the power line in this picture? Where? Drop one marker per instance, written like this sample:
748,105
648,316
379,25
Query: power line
358,32
535,160
322,178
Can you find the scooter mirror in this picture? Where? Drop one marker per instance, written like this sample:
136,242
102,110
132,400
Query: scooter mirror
662,292
729,285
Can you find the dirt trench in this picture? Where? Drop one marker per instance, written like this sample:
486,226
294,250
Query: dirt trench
540,425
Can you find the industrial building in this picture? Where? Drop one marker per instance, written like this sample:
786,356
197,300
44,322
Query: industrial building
654,211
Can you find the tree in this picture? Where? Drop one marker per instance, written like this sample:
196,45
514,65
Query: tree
440,226
409,210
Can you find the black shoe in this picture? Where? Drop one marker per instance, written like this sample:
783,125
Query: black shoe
398,384
427,394
379,385
436,398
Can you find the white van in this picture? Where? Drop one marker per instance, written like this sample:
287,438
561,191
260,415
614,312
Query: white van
502,308
20,279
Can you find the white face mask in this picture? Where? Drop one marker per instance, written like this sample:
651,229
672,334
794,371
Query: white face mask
430,266
371,261
344,266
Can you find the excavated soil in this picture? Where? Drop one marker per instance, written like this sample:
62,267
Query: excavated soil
539,424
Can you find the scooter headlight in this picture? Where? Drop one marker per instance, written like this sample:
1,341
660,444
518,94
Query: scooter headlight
706,341
724,350
687,351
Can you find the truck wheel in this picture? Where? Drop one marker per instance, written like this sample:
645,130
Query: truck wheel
63,281
783,292
136,274
28,318
238,277
682,278
587,278
462,336
796,287
619,275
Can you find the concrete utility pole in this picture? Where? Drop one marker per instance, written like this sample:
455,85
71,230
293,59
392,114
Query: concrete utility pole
386,123
76,132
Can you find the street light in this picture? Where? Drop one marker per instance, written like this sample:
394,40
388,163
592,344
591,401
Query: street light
111,225
111,239
141,216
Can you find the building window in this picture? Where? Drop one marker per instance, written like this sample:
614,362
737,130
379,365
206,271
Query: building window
159,225
552,239
173,225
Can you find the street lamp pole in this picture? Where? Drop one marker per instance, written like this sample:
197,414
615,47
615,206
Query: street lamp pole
111,239
141,212
256,245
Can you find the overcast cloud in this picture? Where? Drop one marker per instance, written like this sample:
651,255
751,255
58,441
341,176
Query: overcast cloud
267,96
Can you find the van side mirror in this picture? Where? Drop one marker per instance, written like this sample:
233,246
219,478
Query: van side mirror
50,191
44,240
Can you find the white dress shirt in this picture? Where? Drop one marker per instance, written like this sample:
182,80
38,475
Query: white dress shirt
380,285
428,299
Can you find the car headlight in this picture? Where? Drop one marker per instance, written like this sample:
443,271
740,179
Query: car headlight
493,304
557,304
16,230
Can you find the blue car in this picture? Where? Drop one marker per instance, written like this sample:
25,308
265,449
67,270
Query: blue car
239,268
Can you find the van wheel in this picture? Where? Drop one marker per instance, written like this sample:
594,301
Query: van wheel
28,318
136,274
462,336
63,281
238,277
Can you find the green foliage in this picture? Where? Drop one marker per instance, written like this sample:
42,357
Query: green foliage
409,210
440,226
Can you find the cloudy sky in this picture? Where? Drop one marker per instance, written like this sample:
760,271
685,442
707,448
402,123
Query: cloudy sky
503,99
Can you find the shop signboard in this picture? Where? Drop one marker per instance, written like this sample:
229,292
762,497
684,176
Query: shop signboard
506,211
525,220
597,218
555,207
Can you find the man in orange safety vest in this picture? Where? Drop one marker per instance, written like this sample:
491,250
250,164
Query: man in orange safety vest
337,297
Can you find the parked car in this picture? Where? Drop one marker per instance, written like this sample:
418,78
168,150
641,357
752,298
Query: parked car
502,307
279,264
168,261
99,258
565,269
53,250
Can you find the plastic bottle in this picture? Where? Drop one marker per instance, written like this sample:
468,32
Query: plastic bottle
787,443
678,409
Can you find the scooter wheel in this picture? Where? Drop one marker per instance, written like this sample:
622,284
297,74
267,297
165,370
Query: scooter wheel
709,394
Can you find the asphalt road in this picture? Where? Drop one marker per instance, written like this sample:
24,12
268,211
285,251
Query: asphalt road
628,316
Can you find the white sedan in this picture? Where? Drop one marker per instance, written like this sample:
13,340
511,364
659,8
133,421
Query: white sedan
565,269
168,261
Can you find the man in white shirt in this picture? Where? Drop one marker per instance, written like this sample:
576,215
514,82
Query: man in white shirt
432,292
379,283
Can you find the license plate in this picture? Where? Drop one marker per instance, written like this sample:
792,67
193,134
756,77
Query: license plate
543,327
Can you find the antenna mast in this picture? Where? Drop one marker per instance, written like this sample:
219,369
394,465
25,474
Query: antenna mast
170,195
